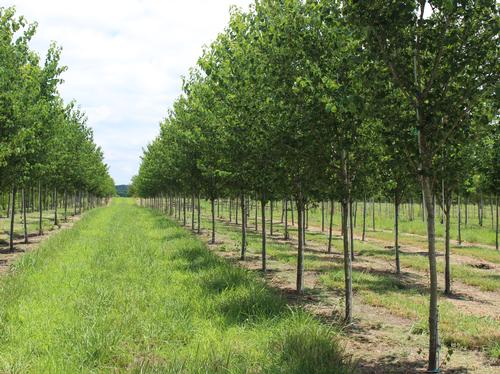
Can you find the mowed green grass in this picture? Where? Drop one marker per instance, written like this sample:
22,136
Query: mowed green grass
128,290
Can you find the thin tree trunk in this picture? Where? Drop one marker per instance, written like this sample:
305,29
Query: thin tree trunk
330,231
25,224
243,229
496,228
184,210
351,229
459,225
56,220
198,228
447,266
192,211
8,204
12,216
287,235
263,212
466,211
40,209
212,204
373,213
300,249
347,261
256,216
396,232
65,206
322,216
364,218
271,218
433,303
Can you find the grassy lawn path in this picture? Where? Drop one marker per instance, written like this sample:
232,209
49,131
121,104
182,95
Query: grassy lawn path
126,290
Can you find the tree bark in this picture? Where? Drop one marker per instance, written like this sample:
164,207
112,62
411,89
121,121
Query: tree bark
40,209
447,266
263,218
364,218
271,218
12,216
459,225
396,232
243,229
322,216
198,228
433,304
56,220
65,206
351,229
347,261
287,235
373,213
25,224
192,211
330,231
212,204
300,249
496,228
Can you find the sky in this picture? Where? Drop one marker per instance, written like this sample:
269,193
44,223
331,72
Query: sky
125,60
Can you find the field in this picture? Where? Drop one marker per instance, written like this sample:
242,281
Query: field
469,318
126,289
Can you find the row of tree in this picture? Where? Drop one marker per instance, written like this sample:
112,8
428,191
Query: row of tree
45,144
327,100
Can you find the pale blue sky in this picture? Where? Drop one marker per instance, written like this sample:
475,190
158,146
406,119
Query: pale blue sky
125,61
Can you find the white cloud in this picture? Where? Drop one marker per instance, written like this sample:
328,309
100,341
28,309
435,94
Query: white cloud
125,61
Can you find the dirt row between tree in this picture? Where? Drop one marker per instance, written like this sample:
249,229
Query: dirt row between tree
457,258
380,340
7,257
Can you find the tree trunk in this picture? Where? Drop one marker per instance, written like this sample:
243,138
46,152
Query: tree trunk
212,204
243,229
496,228
433,304
466,211
263,212
65,206
287,235
364,218
236,210
256,216
447,266
25,224
300,249
459,225
56,220
322,216
192,211
198,227
347,261
230,210
331,227
373,214
271,218
396,232
8,205
40,209
12,216
351,229
184,210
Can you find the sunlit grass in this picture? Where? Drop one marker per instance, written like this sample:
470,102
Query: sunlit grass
127,290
